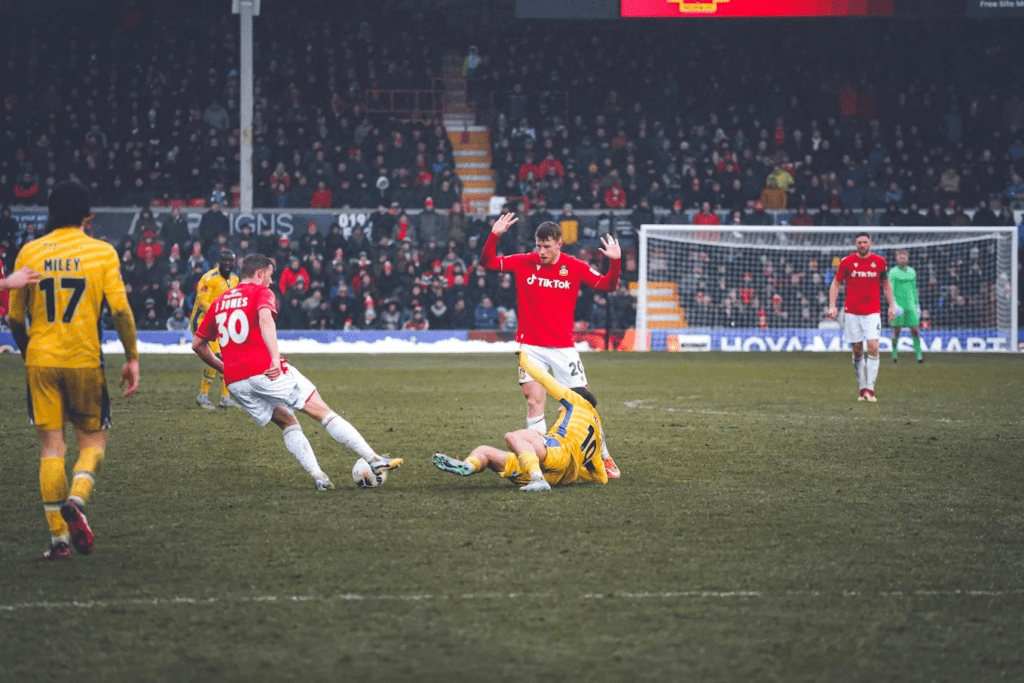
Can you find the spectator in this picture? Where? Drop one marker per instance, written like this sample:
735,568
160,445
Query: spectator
485,317
321,198
430,225
178,322
417,322
151,321
26,190
773,197
292,315
174,230
213,223
437,315
293,276
706,216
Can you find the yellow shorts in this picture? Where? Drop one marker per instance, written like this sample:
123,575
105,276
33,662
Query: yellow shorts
558,467
215,346
75,395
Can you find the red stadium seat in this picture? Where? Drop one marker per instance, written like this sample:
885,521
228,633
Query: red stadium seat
157,203
179,203
197,202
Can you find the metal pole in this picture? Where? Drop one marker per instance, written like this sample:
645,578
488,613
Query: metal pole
245,105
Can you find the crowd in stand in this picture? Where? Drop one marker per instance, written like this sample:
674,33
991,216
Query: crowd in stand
327,281
726,122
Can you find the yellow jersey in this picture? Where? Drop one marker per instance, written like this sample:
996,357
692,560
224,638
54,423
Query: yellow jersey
577,431
62,312
209,287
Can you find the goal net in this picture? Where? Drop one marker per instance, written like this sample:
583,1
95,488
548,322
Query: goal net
746,288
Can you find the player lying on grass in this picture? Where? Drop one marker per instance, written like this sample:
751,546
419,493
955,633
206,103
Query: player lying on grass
265,385
548,282
539,461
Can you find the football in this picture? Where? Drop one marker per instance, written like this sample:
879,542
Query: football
364,477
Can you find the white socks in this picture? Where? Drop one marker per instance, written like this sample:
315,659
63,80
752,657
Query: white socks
872,372
298,445
537,424
866,368
344,433
858,368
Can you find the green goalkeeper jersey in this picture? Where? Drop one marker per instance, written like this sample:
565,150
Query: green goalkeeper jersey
904,287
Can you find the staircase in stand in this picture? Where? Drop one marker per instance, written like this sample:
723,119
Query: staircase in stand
471,143
663,308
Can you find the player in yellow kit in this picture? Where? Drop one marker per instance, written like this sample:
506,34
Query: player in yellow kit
214,282
567,453
55,323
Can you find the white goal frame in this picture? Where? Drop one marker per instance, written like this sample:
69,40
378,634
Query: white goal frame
931,236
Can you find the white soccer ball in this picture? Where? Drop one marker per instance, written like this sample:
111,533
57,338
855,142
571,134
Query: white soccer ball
365,478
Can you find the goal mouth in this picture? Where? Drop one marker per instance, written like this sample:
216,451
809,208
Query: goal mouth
766,288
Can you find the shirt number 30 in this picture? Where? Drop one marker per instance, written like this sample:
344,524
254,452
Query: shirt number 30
233,327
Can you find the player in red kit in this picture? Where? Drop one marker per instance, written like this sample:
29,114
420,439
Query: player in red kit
266,386
547,284
864,274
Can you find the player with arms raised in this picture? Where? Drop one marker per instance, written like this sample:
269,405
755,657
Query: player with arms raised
864,274
547,285
56,325
266,386
904,293
537,461
214,282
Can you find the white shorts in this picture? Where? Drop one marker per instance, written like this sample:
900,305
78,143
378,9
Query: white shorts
259,395
565,364
861,327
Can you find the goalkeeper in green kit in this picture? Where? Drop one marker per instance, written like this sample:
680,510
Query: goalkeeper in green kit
904,293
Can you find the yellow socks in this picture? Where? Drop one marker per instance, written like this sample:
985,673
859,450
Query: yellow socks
53,484
530,463
84,477
208,375
475,463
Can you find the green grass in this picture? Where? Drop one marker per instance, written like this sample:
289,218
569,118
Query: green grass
767,527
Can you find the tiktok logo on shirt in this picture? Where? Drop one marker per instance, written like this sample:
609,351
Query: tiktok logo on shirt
547,283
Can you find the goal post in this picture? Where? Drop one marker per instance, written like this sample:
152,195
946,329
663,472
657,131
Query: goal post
752,288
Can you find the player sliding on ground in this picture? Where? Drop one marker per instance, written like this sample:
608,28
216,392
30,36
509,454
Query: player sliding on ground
538,461
266,386
547,287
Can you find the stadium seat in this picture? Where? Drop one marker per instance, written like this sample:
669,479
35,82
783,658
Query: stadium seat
179,203
197,202
157,203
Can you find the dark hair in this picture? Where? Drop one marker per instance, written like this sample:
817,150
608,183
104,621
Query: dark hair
226,254
69,204
585,393
861,234
254,262
549,230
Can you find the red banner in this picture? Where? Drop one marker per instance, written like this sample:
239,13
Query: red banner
756,8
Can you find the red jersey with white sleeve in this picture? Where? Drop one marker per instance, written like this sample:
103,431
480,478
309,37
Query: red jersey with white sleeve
233,321
863,278
546,293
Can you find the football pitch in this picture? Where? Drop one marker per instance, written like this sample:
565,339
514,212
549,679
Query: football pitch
767,527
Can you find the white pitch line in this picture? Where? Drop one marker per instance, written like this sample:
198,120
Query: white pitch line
639,405
427,597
